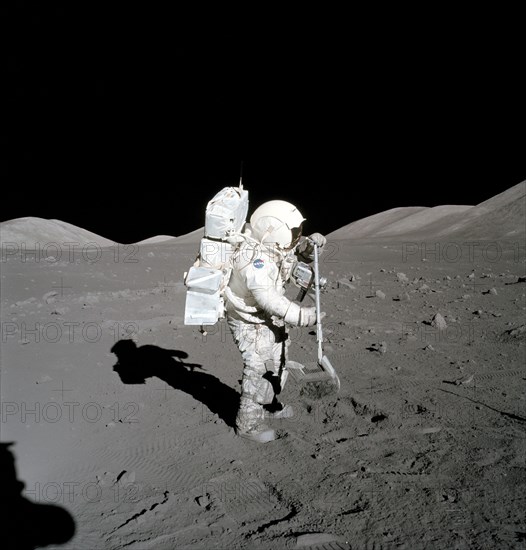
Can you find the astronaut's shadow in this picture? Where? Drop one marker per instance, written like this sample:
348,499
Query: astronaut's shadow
137,363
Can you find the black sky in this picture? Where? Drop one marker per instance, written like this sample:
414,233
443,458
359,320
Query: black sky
126,124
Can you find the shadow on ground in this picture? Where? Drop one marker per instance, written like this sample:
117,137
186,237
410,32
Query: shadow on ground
27,524
137,363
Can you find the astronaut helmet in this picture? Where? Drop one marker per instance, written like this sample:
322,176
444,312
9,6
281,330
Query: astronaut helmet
277,222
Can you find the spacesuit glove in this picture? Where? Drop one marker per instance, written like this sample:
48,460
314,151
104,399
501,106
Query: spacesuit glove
307,317
319,239
306,248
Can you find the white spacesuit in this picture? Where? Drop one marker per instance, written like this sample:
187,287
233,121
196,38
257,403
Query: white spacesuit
257,311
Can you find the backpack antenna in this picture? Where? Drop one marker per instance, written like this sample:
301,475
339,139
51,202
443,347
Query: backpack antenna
241,176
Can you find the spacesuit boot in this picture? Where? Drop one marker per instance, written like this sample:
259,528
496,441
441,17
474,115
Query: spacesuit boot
249,422
256,392
277,410
260,434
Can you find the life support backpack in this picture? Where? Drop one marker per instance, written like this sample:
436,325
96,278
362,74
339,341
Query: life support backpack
207,279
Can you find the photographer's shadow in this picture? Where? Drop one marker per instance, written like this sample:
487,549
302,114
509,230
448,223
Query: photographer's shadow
27,524
137,363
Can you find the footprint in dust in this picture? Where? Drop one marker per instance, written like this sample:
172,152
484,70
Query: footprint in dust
368,411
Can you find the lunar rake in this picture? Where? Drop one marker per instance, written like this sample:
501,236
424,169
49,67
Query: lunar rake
317,378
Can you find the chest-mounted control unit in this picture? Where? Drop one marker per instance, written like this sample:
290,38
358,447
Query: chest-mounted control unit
303,277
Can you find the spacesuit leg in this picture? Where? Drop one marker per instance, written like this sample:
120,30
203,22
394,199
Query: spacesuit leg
255,342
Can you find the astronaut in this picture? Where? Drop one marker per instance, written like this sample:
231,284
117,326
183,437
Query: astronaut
258,312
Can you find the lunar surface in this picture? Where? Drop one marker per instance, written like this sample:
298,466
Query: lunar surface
121,417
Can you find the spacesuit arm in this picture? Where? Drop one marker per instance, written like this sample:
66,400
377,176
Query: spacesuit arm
273,303
262,280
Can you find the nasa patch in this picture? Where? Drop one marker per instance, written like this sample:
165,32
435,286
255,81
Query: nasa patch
259,263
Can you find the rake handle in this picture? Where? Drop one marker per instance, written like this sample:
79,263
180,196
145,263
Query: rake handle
319,331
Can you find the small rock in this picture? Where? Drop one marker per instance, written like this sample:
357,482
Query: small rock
465,380
380,294
471,276
380,348
431,430
429,347
439,322
203,500
402,277
50,297
342,283
126,478
517,332
60,311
